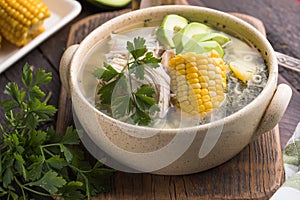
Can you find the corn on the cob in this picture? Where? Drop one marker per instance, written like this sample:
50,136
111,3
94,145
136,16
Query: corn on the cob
22,20
198,81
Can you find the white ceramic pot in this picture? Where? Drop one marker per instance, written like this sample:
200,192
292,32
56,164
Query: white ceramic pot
184,150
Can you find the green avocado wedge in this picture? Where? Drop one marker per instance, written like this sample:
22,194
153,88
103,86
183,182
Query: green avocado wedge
184,35
171,25
202,47
218,37
109,4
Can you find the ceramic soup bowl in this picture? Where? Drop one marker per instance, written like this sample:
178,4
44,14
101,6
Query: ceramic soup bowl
170,151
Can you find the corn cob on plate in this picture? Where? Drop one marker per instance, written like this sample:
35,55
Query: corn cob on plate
61,12
22,20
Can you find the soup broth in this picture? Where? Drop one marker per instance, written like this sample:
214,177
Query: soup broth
238,93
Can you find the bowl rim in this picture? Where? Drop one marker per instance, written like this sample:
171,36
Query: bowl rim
269,87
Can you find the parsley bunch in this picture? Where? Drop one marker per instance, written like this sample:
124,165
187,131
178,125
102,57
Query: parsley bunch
36,161
120,93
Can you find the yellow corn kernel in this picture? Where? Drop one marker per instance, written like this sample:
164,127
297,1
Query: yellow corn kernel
22,20
199,81
191,76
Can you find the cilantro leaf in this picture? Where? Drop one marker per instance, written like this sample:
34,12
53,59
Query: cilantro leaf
138,69
72,191
7,177
35,168
70,137
141,118
67,153
34,158
137,48
9,105
57,162
106,74
151,61
41,109
50,182
36,92
27,76
37,138
106,91
18,95
119,106
42,77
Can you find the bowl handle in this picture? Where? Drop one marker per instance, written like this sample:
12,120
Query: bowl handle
64,66
275,110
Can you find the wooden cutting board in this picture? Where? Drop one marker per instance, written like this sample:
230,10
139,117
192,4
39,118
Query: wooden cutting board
255,173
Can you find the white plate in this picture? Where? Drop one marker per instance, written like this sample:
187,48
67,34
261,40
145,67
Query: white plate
62,12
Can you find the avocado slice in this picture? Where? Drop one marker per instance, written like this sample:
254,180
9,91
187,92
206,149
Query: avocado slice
184,35
202,47
171,25
109,4
218,37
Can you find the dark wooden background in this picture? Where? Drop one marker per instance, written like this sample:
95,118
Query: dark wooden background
280,17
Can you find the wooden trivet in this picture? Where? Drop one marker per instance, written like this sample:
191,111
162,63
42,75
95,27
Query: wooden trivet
255,173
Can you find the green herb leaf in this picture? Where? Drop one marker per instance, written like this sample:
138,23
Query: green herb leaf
144,97
37,138
106,91
7,177
36,92
31,121
114,95
41,109
137,48
141,118
67,153
107,74
50,182
19,165
57,162
9,105
12,89
35,169
70,137
27,75
119,106
72,191
42,77
151,61
138,69
36,160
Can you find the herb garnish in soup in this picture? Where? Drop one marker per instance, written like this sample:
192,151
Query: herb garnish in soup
179,74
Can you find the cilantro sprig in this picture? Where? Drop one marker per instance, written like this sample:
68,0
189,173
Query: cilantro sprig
36,161
122,93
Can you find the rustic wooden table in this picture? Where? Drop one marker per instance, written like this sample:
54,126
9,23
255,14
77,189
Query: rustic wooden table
280,18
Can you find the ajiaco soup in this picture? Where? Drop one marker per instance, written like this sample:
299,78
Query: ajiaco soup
179,74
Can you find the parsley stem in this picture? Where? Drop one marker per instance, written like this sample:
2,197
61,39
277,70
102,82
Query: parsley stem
21,187
88,194
36,192
47,151
48,97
